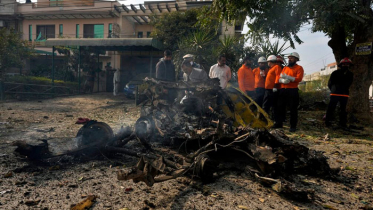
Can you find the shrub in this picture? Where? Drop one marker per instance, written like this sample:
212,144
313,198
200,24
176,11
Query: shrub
39,80
314,99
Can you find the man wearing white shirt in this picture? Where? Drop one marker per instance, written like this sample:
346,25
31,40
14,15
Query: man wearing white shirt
221,71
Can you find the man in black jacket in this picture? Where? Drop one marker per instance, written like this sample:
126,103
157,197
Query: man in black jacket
339,85
165,69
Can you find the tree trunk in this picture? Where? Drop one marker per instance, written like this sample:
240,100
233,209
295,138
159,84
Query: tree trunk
358,104
363,67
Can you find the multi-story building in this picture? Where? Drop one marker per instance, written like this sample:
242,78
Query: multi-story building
97,19
328,69
8,17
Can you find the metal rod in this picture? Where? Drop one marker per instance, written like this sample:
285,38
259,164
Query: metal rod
98,72
151,62
53,69
79,70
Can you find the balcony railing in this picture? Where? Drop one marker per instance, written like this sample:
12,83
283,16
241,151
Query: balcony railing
64,3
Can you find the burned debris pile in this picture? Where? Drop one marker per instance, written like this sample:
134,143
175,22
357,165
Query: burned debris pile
190,130
206,126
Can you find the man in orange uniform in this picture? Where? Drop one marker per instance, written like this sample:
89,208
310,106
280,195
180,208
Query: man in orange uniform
272,86
260,74
290,77
246,79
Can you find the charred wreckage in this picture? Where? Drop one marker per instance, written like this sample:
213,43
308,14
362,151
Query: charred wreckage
200,127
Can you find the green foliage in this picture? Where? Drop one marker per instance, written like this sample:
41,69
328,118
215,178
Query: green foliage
267,48
38,80
88,58
284,18
234,49
13,50
184,34
206,46
169,28
198,43
320,84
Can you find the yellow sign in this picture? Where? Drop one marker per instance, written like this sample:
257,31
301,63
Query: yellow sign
363,48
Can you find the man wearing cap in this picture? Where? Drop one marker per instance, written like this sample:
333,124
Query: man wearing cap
260,74
193,75
339,84
189,58
246,78
290,77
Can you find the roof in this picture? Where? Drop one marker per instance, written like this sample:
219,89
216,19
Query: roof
332,64
109,44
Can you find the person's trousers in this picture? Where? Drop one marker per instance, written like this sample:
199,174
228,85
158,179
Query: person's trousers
251,94
289,96
259,95
270,104
331,108
275,106
268,100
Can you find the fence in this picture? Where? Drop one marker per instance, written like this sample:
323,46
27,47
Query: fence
21,91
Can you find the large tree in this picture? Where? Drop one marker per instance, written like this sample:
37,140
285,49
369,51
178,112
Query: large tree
13,50
346,22
169,28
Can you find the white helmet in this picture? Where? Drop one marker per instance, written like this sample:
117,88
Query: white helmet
188,56
294,54
262,60
272,58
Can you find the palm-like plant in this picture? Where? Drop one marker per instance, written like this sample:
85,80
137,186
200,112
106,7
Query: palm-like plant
269,48
198,43
233,48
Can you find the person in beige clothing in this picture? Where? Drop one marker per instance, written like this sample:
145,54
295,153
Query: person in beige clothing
221,71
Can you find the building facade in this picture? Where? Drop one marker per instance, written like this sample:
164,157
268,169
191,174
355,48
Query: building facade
49,19
8,17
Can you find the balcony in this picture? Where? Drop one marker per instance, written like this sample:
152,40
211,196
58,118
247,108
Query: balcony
64,3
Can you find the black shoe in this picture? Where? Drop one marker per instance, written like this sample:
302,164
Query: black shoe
277,125
292,130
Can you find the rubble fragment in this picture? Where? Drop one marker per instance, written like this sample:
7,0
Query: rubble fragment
85,204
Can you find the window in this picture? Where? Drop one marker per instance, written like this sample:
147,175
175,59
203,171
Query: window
30,32
110,30
139,34
44,32
77,30
61,30
148,34
238,27
93,31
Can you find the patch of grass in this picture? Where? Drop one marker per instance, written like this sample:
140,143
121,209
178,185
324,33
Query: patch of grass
38,80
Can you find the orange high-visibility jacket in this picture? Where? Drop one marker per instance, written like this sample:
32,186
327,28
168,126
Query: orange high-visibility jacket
294,71
246,79
259,80
273,77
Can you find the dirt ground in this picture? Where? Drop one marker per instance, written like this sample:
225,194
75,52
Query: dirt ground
58,184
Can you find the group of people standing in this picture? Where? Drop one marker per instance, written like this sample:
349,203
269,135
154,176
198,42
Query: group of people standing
272,85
